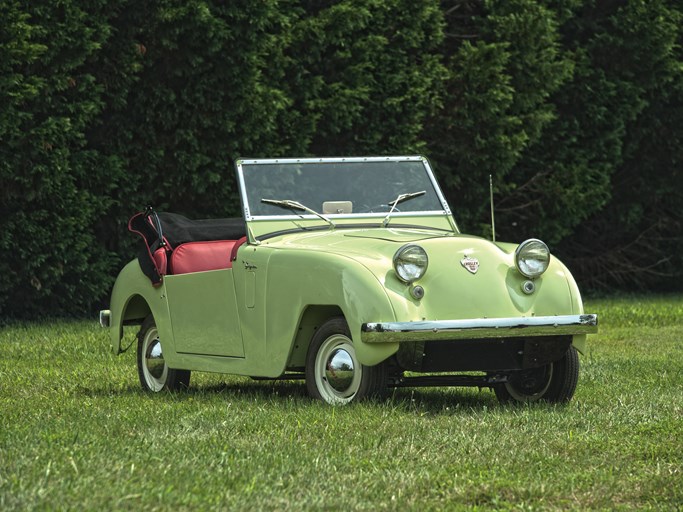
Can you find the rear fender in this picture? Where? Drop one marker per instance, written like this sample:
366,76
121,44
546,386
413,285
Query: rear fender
132,300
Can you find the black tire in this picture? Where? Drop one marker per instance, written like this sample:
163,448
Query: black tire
155,375
333,373
554,383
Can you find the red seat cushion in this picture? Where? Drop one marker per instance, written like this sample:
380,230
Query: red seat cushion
202,256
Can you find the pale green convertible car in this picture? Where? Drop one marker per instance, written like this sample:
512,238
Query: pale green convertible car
349,273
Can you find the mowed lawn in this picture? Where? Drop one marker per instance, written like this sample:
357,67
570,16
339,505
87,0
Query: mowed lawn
78,433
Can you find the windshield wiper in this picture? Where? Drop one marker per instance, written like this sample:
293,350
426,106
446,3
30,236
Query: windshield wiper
295,205
401,198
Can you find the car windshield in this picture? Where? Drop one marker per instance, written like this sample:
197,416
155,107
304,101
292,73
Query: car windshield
339,187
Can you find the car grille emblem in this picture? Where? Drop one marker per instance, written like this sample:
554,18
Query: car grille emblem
471,264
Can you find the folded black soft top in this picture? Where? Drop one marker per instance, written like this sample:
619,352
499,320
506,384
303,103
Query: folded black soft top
178,229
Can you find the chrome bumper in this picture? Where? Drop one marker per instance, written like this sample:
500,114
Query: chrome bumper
105,317
390,332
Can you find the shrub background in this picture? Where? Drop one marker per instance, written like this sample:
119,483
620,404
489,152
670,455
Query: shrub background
575,107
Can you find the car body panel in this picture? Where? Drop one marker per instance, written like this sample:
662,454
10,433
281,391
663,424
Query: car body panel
203,313
134,298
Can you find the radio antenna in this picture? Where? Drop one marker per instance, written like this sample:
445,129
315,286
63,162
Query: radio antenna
493,219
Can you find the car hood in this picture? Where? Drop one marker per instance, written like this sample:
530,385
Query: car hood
451,289
359,242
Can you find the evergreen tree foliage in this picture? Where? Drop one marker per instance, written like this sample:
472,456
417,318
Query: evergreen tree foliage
566,177
574,106
356,68
150,103
51,260
636,240
193,99
505,62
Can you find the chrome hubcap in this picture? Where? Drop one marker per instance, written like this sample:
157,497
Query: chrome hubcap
339,370
154,366
154,359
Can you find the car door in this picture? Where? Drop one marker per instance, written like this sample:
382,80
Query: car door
203,312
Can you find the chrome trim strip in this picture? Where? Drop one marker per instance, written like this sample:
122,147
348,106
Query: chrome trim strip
337,159
391,332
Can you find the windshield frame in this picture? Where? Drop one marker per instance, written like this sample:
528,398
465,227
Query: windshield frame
246,209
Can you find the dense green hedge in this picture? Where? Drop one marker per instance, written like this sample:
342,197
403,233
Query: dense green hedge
574,106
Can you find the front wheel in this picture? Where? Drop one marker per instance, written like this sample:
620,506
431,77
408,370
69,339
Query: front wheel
154,373
552,383
333,373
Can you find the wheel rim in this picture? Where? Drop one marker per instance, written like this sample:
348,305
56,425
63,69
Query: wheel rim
531,385
153,365
337,371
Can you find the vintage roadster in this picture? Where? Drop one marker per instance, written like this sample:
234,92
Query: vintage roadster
352,274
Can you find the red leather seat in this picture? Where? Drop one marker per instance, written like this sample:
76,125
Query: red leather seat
202,256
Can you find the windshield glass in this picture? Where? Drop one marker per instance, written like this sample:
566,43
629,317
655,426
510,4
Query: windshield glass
336,187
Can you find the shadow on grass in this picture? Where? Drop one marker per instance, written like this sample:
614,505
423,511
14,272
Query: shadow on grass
431,401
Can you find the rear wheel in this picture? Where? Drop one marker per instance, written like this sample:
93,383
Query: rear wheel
333,373
154,373
553,383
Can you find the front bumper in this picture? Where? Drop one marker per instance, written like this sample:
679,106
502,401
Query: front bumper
391,332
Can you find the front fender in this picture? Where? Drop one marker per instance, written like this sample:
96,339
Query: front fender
576,303
298,279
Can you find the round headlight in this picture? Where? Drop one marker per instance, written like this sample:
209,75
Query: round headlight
532,258
410,263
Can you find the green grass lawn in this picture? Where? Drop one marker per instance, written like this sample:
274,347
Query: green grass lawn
78,433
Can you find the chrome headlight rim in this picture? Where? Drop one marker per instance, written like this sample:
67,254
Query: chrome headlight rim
522,249
400,264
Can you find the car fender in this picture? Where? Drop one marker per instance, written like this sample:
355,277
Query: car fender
298,279
579,341
562,288
133,298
